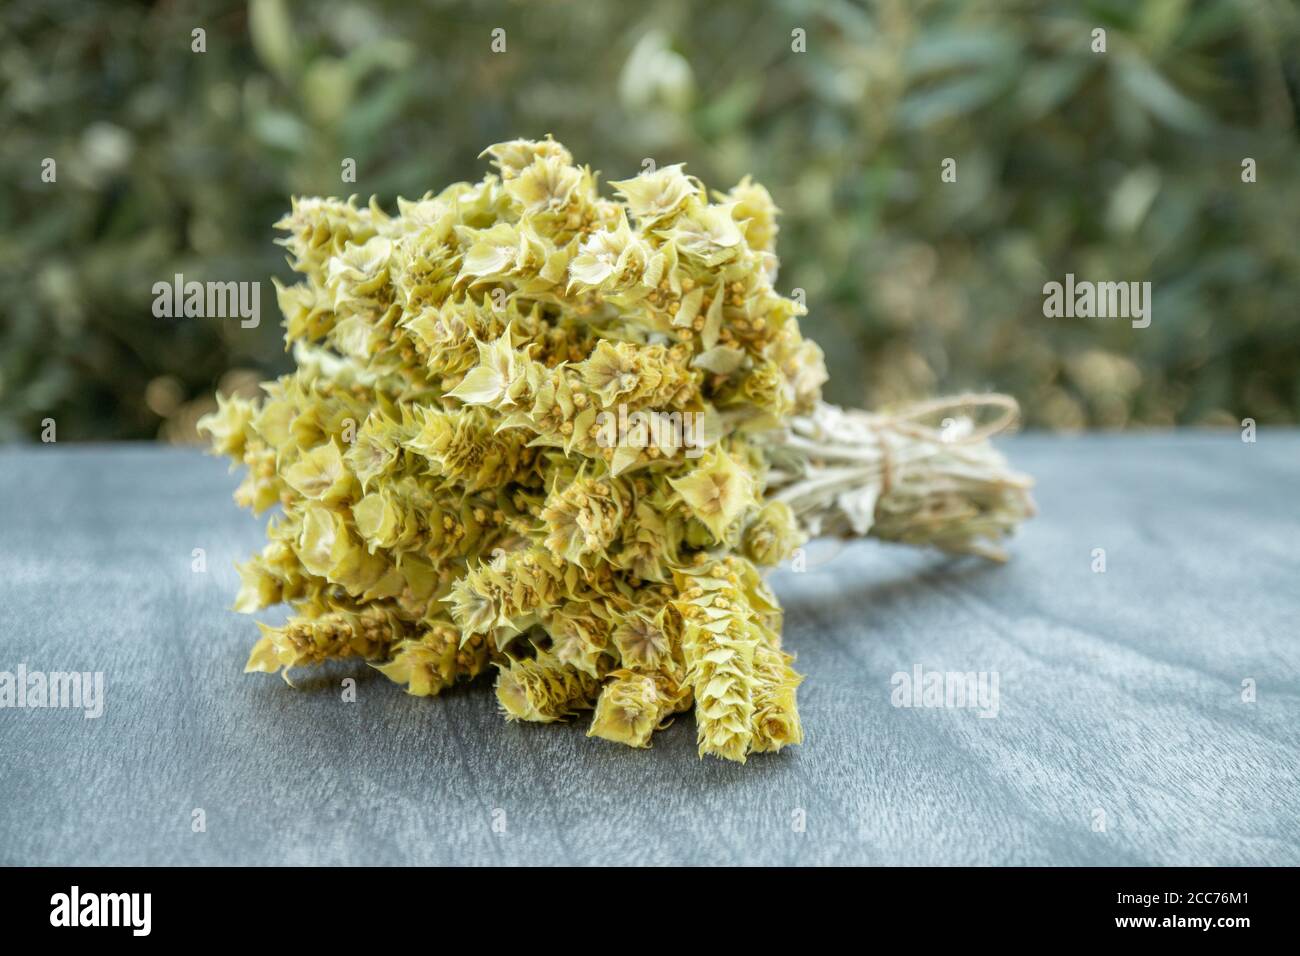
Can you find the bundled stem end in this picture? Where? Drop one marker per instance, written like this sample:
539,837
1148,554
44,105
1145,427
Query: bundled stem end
851,473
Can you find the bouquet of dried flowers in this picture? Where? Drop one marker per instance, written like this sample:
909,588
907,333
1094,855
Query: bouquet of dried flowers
558,436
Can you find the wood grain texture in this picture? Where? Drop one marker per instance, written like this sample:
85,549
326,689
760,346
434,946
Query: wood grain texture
1118,692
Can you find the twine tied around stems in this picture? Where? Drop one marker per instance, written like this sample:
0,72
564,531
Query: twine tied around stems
850,473
1009,414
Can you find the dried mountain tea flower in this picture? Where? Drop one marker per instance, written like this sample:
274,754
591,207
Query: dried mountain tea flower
541,431
543,689
633,705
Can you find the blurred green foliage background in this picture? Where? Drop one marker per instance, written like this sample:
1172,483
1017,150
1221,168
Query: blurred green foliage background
1122,166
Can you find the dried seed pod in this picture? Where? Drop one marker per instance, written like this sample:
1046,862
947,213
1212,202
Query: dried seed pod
434,660
543,690
305,641
633,705
720,668
776,718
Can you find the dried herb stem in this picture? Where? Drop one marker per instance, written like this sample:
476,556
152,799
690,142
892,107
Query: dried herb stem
851,473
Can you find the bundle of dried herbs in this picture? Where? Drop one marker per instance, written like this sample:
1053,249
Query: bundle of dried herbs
557,436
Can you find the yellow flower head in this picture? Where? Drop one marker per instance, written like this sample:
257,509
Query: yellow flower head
717,490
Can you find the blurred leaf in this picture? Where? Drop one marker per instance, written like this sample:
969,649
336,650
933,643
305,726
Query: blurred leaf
938,51
1160,97
327,89
272,32
280,130
365,121
731,108
949,100
1048,85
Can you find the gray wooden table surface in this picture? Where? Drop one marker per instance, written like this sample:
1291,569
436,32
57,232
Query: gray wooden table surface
1121,734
